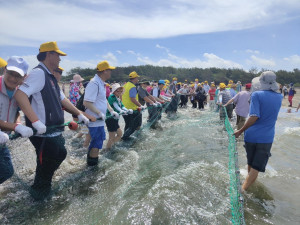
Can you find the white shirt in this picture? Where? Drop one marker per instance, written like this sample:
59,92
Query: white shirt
95,92
32,86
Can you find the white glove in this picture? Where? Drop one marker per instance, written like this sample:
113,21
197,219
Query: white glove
23,130
122,112
3,137
143,107
130,111
39,126
101,115
154,104
115,115
83,118
158,104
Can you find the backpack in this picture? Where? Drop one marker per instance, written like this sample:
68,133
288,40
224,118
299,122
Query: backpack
79,104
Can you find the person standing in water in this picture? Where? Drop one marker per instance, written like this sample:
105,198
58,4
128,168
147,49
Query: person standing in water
42,102
96,103
260,127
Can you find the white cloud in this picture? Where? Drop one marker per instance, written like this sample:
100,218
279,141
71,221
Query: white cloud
111,58
255,61
252,51
119,52
209,60
294,59
96,21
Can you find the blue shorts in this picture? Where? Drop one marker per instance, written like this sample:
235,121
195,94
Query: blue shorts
6,167
97,137
258,155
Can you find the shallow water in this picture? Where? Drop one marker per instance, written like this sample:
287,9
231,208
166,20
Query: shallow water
174,175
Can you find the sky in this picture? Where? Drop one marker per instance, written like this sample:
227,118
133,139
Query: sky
180,33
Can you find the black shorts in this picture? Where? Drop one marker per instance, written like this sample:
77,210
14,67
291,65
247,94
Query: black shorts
258,155
112,124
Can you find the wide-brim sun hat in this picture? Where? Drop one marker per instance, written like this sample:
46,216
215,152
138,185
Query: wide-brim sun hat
115,87
265,82
77,78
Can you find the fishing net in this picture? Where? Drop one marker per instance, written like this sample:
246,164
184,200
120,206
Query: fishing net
25,162
236,198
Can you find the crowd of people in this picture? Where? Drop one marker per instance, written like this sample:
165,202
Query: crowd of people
43,103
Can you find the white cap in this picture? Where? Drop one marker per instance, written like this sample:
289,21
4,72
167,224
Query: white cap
17,64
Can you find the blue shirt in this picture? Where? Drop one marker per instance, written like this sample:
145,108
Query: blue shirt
10,93
133,92
265,105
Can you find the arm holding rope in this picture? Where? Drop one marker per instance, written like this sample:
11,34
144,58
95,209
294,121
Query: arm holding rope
250,121
24,104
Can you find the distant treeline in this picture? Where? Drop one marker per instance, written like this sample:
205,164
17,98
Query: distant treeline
210,74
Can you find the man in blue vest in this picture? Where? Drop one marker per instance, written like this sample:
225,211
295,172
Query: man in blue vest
41,100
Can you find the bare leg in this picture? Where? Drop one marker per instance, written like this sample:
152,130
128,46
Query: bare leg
251,177
87,140
111,139
249,168
119,135
94,152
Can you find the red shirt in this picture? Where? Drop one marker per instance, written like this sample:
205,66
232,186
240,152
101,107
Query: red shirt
212,93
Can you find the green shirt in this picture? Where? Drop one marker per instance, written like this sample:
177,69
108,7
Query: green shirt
111,100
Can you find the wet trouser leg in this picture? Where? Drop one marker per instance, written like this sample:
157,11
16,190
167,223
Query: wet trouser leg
50,152
132,123
6,167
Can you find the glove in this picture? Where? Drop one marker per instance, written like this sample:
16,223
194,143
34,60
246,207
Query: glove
130,111
122,112
143,107
115,115
154,104
23,130
158,104
101,115
3,137
39,126
83,118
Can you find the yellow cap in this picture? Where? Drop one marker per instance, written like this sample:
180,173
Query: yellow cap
205,82
230,82
174,78
229,86
60,68
192,85
51,47
2,62
196,79
133,75
104,66
222,85
107,85
167,81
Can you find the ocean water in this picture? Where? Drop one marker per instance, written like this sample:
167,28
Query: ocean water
176,174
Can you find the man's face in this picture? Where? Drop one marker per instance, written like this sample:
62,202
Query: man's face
107,74
57,75
12,79
54,59
135,80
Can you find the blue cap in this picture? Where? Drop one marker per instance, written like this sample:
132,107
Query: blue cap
17,64
161,82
